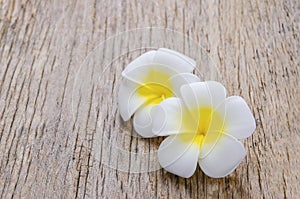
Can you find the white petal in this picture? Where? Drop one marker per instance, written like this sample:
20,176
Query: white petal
223,158
165,60
141,75
142,121
176,60
203,94
167,117
142,60
215,129
128,99
181,79
163,56
178,157
239,120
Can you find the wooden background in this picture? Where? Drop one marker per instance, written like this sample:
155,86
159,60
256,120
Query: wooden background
60,65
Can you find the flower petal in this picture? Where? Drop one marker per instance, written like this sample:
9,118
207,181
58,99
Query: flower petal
176,60
239,119
129,100
223,159
205,103
148,74
178,157
142,121
203,94
167,117
144,59
181,79
164,60
216,126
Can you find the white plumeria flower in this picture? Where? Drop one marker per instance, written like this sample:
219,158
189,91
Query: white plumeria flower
204,128
149,80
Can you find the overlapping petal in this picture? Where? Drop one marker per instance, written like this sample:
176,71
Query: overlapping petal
142,121
178,80
163,59
167,117
142,60
203,94
178,61
178,157
239,119
225,156
129,100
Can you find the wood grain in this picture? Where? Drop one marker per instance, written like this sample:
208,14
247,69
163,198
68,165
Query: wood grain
60,62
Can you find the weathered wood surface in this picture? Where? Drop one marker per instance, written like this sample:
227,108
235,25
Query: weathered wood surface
59,75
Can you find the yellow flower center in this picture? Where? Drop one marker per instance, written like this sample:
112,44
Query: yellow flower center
156,87
202,125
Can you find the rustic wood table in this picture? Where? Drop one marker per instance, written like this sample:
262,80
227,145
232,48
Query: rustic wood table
61,135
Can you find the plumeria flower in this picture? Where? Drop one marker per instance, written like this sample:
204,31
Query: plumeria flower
204,127
149,80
